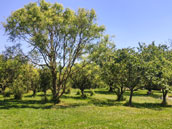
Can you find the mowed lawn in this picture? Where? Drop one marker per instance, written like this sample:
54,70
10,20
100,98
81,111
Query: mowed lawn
100,111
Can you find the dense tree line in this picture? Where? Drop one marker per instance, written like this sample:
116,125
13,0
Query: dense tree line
72,51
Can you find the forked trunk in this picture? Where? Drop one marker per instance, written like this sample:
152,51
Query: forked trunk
120,94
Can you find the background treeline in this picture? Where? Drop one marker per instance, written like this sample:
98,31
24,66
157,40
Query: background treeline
68,49
146,67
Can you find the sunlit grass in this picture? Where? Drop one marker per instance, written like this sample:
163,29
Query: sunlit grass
99,111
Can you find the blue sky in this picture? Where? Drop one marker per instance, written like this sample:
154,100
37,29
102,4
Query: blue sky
131,21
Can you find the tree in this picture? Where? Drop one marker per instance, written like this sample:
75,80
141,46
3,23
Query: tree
157,68
134,71
85,77
58,35
149,54
31,77
115,72
10,63
45,80
102,53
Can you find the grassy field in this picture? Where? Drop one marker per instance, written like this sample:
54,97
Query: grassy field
97,112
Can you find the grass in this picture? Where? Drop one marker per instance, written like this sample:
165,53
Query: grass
96,112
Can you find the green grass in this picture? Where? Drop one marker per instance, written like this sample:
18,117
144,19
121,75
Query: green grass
97,112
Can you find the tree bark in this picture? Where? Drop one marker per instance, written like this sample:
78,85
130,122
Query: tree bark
82,92
120,94
34,92
131,95
54,84
165,92
110,89
149,92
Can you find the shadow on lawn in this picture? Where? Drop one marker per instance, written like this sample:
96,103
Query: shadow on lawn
105,92
153,106
39,104
11,103
40,95
154,95
107,102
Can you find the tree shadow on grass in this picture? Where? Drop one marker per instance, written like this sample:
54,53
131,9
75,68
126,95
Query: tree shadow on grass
41,95
106,92
106,102
154,95
12,103
78,97
36,104
40,104
153,106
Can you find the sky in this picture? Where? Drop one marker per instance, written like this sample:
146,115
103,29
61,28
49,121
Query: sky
131,21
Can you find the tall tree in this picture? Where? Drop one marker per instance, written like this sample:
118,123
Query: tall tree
134,71
102,53
59,35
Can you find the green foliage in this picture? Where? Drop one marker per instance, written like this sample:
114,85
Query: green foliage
45,79
58,35
18,87
157,68
85,77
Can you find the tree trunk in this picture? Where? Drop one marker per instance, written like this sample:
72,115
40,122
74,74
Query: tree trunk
165,92
54,84
110,89
119,97
131,95
149,92
82,92
45,95
34,92
120,94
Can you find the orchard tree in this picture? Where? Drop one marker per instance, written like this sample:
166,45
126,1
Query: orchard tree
149,54
58,35
11,61
134,71
2,74
31,77
85,77
102,53
115,72
157,68
163,76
